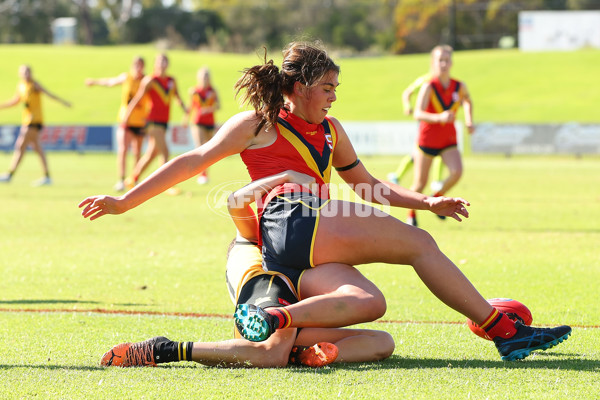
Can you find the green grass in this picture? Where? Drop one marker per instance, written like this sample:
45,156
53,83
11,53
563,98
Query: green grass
533,235
506,85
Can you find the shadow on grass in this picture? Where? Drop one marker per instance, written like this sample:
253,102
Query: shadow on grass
52,367
567,361
62,301
47,301
539,360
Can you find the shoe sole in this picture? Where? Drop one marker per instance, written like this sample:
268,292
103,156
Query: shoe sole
522,353
250,325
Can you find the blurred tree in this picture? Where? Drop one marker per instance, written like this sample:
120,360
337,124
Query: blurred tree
466,24
181,28
401,26
29,21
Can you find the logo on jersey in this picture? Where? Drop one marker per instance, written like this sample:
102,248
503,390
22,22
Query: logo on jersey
329,140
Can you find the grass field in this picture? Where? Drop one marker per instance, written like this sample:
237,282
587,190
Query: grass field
533,235
506,86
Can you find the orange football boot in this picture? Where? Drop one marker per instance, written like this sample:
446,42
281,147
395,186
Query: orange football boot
139,354
318,355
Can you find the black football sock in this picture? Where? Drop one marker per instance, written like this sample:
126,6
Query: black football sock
169,351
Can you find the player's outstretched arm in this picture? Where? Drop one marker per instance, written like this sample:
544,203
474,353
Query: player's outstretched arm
52,95
108,82
12,102
371,189
235,136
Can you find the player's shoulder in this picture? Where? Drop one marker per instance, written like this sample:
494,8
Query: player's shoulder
245,122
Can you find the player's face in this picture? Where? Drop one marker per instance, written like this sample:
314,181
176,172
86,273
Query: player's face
25,72
203,77
320,98
138,66
441,62
161,64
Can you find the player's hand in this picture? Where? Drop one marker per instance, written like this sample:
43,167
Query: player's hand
97,206
470,128
453,207
447,116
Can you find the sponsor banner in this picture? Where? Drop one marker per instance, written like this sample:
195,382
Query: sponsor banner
368,138
571,138
68,137
179,139
559,30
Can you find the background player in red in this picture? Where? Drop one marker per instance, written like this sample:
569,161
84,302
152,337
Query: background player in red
408,160
436,107
204,103
29,93
130,133
160,89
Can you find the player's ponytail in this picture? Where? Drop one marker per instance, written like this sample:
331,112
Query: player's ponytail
263,91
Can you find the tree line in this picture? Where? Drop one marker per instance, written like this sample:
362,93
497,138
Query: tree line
354,26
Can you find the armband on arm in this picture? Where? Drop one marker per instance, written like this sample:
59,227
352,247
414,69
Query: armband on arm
349,166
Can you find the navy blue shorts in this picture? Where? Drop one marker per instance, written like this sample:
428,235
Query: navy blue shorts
288,227
156,123
136,130
266,290
435,152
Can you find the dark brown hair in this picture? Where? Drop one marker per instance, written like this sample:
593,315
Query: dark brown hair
265,85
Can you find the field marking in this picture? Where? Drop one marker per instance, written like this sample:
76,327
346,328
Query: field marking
208,315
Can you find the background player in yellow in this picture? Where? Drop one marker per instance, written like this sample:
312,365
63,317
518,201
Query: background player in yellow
130,134
28,92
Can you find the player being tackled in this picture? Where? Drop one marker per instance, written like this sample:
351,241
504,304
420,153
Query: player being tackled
160,350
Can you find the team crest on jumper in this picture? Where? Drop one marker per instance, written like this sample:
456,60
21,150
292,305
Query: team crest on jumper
329,140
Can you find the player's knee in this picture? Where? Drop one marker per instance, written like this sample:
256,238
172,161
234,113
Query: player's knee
377,305
425,244
456,173
385,345
370,303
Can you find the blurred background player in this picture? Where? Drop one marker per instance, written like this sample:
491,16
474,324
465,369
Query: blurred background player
437,103
159,89
407,161
28,93
204,104
130,134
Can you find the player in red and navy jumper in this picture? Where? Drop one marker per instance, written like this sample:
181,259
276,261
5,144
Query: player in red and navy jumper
159,89
204,104
436,107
